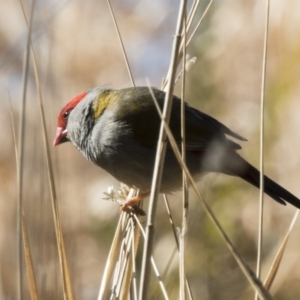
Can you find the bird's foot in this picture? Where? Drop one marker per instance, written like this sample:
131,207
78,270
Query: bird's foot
131,204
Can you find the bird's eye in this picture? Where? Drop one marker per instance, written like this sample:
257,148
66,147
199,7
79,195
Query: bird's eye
66,114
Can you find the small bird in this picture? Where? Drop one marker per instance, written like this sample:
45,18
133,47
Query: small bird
118,131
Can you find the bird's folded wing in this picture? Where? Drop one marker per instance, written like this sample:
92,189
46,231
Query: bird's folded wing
143,119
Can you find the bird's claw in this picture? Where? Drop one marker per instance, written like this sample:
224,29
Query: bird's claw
132,208
131,204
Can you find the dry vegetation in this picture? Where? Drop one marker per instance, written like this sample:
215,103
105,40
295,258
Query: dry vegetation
76,48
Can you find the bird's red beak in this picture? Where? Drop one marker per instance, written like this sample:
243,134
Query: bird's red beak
61,136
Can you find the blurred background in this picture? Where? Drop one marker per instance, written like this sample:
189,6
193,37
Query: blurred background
77,48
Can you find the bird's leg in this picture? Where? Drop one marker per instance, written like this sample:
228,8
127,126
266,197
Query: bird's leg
131,204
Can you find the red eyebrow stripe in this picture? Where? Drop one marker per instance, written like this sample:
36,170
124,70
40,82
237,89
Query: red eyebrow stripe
77,99
61,121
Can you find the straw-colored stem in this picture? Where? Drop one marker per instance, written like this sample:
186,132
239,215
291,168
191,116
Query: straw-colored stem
180,54
58,230
27,250
250,275
278,257
191,15
155,269
29,263
121,43
261,179
155,293
199,22
135,242
110,261
182,276
21,157
159,162
175,233
123,282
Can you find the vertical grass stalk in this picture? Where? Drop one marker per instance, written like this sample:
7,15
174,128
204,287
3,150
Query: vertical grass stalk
159,162
182,272
21,157
250,275
262,115
121,43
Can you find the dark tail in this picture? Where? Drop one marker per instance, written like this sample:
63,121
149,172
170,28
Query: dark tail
239,167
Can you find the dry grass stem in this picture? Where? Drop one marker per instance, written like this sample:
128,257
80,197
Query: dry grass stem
124,262
177,240
120,264
199,22
132,273
29,263
163,277
255,282
159,160
278,257
58,230
121,43
261,150
21,157
191,14
185,200
111,260
155,269
189,22
26,244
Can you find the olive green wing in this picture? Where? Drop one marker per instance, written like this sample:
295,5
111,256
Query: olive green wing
137,109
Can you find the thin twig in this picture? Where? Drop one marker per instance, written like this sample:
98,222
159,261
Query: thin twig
21,156
29,263
180,55
123,284
191,15
58,230
250,275
159,162
134,245
155,269
174,229
278,257
182,273
121,43
57,223
165,272
27,250
262,116
199,22
110,261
